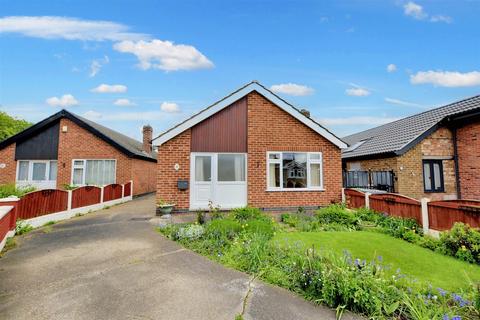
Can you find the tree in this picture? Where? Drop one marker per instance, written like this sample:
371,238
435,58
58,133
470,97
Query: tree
10,125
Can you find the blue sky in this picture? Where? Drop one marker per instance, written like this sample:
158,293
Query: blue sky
161,61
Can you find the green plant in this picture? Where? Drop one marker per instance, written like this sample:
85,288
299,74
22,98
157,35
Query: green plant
462,242
265,227
190,232
201,219
338,214
163,203
7,190
67,186
9,244
223,228
246,213
22,227
49,223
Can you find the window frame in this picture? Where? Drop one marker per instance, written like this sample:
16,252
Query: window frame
30,170
431,163
309,162
84,168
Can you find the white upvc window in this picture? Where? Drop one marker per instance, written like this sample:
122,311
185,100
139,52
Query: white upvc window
294,171
36,171
96,172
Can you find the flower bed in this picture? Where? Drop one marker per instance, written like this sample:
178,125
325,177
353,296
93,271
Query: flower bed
243,240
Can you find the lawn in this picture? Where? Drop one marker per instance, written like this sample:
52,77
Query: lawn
424,265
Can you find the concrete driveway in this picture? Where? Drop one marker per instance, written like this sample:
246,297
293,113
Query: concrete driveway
112,264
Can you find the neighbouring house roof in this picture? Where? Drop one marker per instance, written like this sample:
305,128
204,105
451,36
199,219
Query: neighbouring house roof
396,138
127,145
238,94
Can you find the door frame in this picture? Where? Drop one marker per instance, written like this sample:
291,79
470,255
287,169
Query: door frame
214,180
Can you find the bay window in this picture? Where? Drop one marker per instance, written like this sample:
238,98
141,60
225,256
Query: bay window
96,172
294,171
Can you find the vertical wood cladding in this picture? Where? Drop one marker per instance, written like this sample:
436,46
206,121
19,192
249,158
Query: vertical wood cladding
43,146
225,131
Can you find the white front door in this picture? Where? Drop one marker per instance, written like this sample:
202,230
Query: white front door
219,178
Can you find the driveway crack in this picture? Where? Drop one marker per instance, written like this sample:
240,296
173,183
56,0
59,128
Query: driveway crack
247,295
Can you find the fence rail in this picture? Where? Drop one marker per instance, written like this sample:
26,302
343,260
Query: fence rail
86,196
435,215
53,204
42,202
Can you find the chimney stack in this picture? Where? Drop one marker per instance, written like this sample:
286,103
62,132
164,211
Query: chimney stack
147,138
305,112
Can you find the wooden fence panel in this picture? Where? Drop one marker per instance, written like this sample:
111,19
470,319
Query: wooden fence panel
86,196
442,215
128,189
112,192
42,202
354,198
397,205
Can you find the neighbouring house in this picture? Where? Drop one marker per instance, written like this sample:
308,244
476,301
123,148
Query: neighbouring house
66,149
433,154
251,147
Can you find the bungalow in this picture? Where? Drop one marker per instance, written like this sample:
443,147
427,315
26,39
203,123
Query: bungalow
433,154
251,147
66,149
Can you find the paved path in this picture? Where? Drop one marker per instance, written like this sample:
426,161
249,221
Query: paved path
112,264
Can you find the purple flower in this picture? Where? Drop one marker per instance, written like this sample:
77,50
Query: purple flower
380,258
446,317
442,292
456,318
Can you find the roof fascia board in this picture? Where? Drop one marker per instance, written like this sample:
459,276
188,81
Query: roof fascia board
238,95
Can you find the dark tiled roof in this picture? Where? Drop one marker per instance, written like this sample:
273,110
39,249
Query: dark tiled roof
399,136
132,145
127,145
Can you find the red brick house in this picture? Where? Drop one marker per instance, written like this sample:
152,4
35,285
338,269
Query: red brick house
433,154
66,149
251,147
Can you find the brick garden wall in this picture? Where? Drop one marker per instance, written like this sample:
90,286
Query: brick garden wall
272,129
468,147
7,156
143,176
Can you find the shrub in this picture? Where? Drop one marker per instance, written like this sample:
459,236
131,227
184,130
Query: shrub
190,232
337,214
7,190
201,219
264,227
223,228
462,242
246,213
22,227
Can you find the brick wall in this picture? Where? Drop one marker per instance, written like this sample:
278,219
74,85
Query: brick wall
468,148
272,129
143,176
408,168
7,156
174,151
78,143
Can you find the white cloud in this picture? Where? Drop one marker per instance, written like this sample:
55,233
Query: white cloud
51,27
124,103
170,107
292,89
357,92
67,100
164,55
416,11
441,18
447,78
110,88
404,103
92,115
96,65
348,121
391,68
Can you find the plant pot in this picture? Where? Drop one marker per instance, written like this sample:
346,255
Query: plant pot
164,209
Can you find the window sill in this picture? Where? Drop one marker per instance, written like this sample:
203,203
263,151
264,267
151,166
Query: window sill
296,190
